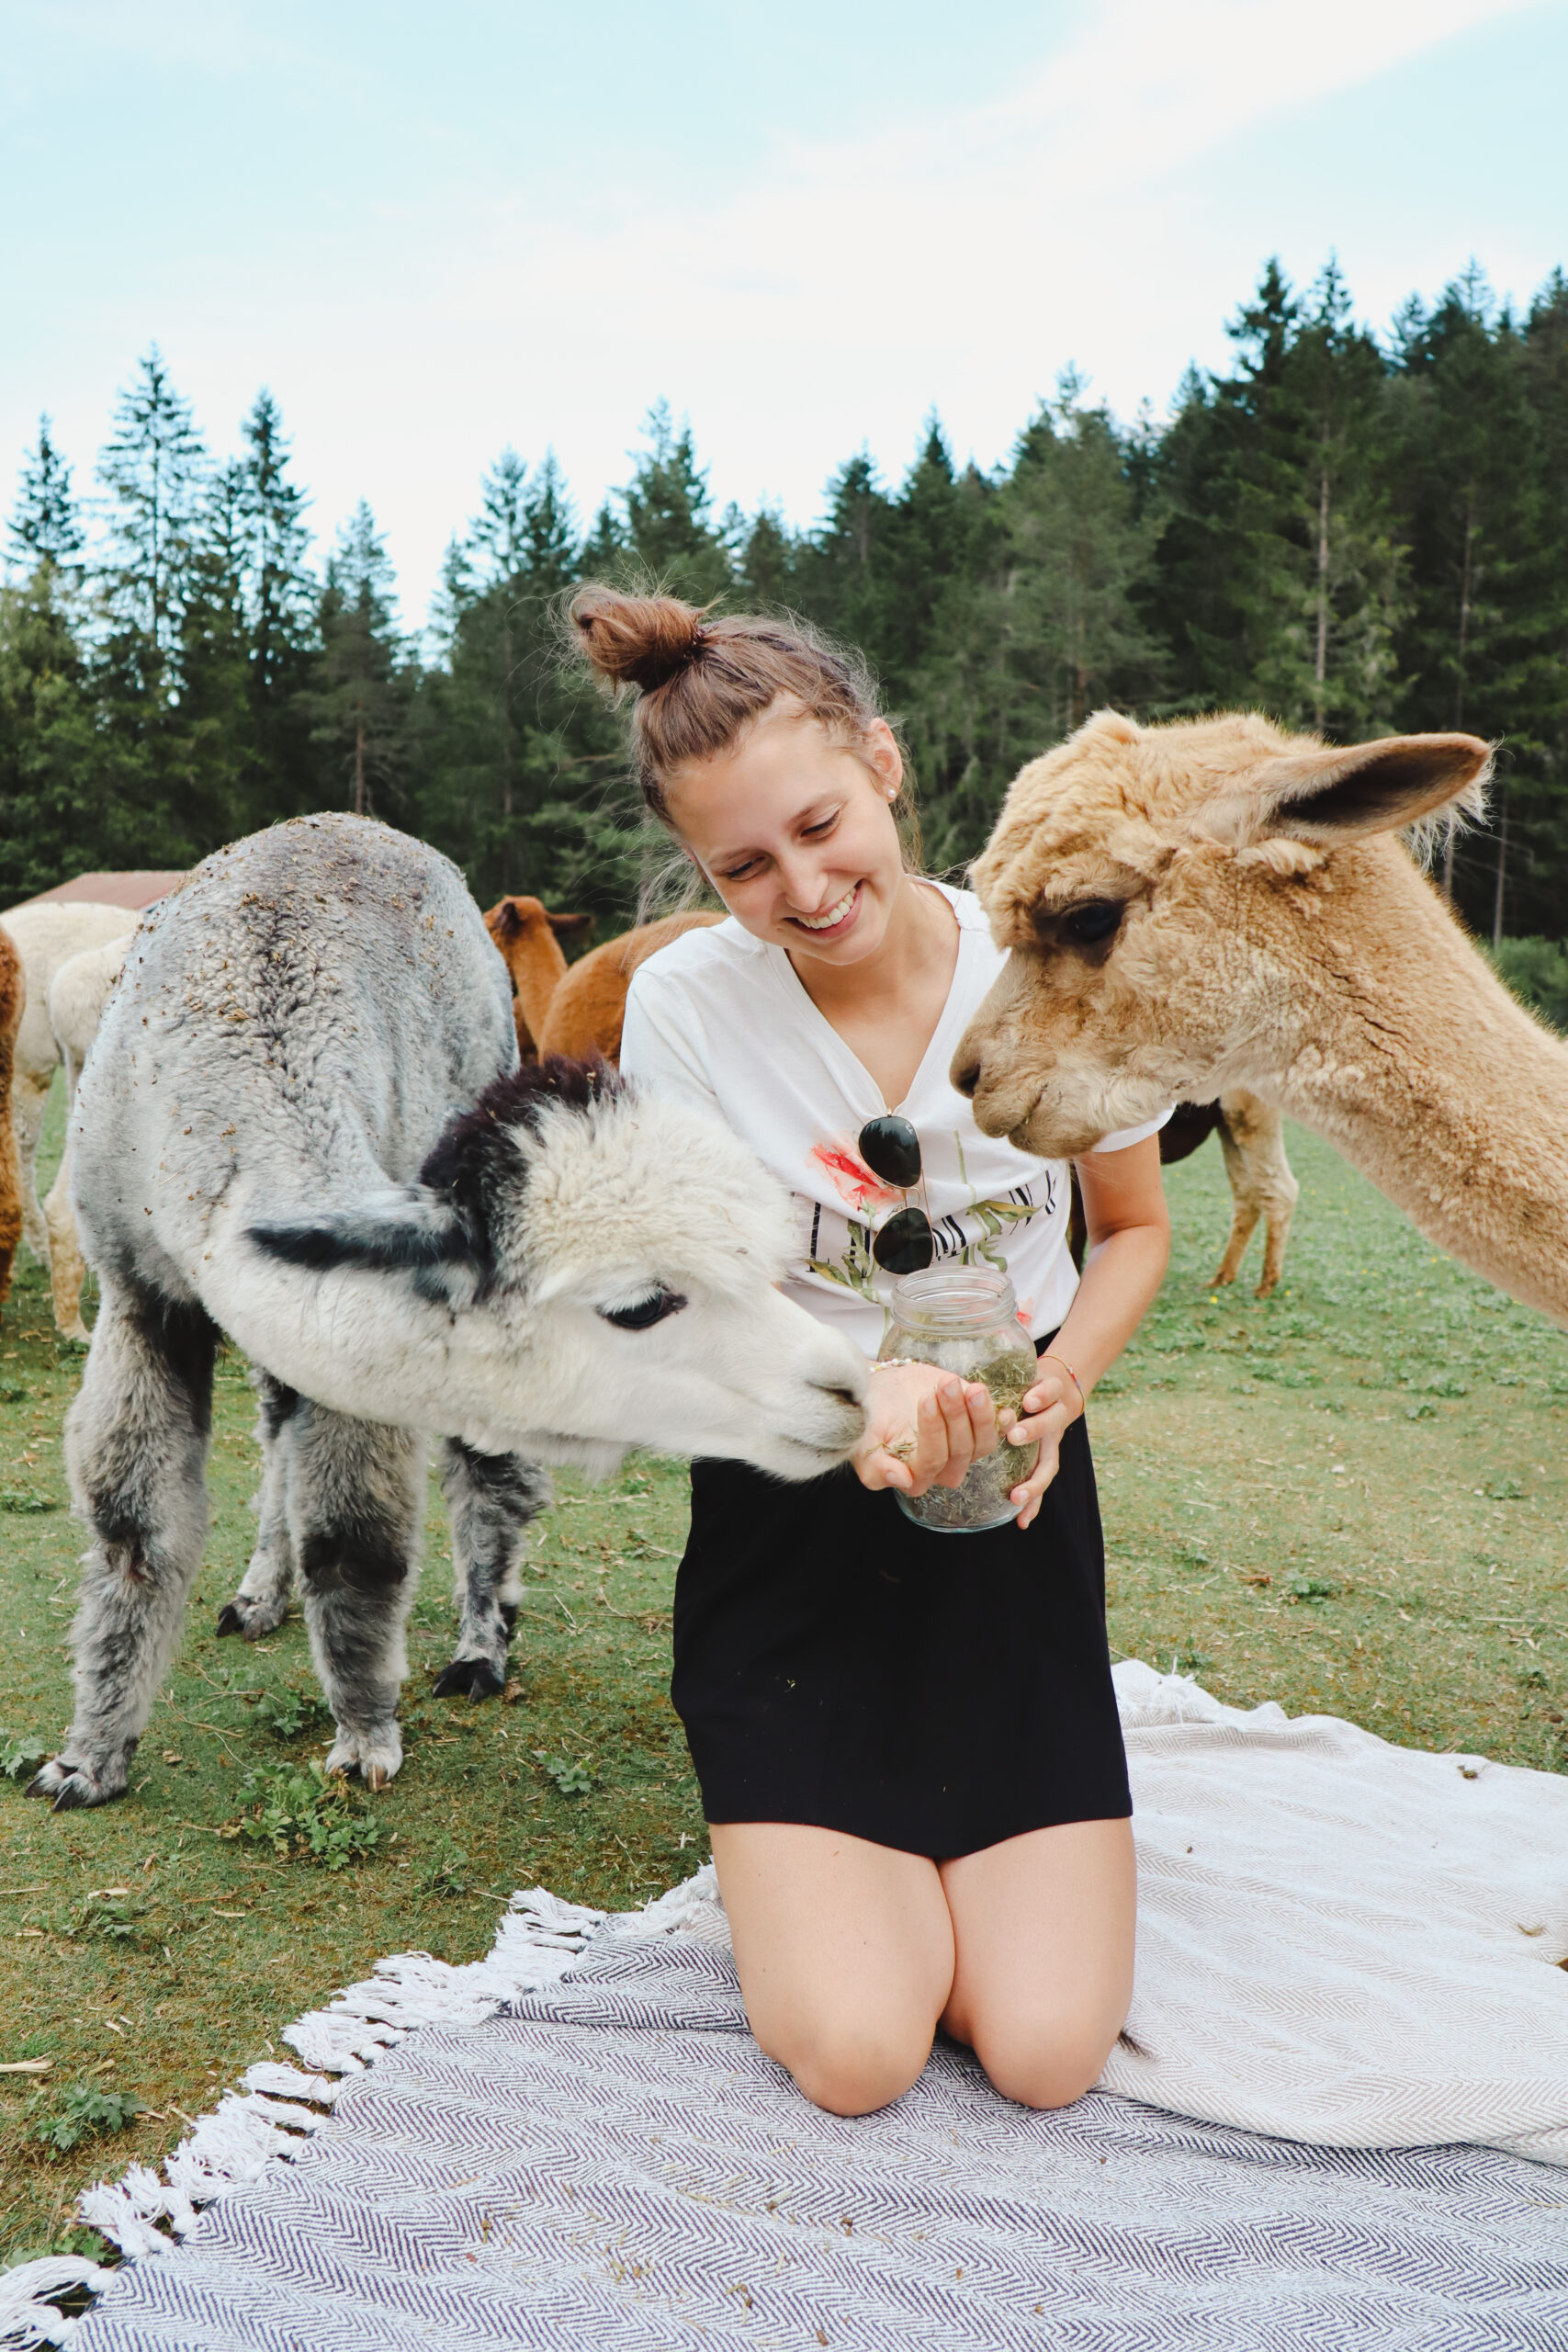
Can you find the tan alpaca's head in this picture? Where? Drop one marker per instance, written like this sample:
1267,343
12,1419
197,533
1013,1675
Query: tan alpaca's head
1162,893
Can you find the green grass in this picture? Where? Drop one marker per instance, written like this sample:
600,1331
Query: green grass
1349,1498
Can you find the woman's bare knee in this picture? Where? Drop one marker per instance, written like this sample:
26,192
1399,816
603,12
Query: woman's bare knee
850,2066
1044,2062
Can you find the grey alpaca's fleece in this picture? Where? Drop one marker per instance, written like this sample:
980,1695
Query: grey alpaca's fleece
301,1029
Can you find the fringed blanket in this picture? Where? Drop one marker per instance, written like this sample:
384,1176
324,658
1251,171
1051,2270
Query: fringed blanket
1348,1958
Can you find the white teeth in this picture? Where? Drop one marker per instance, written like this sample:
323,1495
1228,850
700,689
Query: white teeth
833,915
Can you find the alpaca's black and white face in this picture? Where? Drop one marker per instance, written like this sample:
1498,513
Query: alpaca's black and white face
609,1264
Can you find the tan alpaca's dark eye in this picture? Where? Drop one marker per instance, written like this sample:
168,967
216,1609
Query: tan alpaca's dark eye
1087,925
646,1313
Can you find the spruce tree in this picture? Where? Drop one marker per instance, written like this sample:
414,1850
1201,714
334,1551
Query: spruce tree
363,697
211,763
1478,647
669,533
154,470
281,603
45,527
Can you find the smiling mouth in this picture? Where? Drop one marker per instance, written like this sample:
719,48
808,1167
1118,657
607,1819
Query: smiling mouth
834,918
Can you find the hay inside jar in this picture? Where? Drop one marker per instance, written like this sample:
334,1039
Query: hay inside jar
964,1319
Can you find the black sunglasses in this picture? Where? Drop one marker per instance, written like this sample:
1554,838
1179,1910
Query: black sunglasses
891,1150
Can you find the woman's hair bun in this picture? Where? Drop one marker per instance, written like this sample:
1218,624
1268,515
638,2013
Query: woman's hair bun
636,640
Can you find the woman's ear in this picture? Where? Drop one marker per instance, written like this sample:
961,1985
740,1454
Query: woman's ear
879,748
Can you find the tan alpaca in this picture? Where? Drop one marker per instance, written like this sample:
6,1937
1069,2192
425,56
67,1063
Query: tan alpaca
1216,904
46,932
1252,1138
78,995
529,939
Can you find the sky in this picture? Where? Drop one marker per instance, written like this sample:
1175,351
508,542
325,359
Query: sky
435,232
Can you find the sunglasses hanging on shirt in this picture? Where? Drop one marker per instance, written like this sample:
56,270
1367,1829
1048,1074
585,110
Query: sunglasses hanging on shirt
891,1150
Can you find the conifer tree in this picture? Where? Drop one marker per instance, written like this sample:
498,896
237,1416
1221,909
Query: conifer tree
45,527
153,469
211,765
362,701
670,537
281,611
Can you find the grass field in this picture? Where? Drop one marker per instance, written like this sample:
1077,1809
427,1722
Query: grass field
1348,1499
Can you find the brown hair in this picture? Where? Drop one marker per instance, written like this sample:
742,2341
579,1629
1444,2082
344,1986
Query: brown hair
699,683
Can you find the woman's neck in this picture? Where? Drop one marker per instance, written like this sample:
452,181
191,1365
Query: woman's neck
886,1005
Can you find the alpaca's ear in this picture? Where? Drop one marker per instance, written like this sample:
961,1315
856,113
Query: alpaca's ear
567,926
409,1232
1315,793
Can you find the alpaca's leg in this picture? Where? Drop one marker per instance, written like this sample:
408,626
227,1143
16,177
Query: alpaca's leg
10,1185
356,1506
261,1604
1252,1136
493,1497
66,1271
136,1448
29,1095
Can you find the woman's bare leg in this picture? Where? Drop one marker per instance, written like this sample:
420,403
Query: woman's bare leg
1044,1928
845,1955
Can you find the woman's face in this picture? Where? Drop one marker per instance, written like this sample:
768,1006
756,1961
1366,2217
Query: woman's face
797,834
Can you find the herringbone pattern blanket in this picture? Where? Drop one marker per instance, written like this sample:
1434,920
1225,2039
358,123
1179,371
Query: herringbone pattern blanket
614,2166
1351,1963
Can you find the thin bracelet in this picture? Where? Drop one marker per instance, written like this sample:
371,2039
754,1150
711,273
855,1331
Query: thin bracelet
1083,1401
898,1363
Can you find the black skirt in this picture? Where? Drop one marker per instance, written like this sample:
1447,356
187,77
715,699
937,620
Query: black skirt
837,1665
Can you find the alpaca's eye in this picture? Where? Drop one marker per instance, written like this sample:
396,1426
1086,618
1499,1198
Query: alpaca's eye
647,1311
1091,922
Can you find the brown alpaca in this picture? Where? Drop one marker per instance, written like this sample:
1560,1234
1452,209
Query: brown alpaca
529,941
1217,904
13,1003
590,1006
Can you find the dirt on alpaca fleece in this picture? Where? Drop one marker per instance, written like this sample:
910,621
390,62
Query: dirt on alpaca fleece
1217,904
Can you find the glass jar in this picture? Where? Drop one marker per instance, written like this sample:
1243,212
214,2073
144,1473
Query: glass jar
966,1320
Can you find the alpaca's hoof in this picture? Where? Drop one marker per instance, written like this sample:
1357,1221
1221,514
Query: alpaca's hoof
374,1755
1266,1289
252,1618
67,1786
471,1678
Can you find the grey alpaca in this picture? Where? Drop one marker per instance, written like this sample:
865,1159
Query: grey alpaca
301,1124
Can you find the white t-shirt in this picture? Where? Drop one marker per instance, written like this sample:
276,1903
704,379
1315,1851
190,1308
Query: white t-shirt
720,1018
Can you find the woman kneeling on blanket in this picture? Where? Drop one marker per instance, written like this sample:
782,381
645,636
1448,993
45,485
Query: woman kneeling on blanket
906,1741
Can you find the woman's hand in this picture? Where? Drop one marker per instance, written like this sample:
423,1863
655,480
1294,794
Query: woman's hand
1049,1406
923,1428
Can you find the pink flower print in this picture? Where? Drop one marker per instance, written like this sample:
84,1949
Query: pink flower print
849,1177
1026,1312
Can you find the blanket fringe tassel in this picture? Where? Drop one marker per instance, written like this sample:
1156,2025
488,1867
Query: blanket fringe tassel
271,2116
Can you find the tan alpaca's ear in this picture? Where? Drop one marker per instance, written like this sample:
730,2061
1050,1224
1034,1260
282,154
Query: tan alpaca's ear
1325,795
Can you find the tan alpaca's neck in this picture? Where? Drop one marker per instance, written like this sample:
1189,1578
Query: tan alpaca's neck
1408,1053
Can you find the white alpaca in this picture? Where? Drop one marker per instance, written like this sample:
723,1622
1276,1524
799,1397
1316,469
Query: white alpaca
291,1130
77,996
47,932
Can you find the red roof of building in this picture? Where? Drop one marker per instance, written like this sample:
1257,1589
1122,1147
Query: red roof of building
133,891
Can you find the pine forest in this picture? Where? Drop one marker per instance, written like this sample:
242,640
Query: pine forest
1357,532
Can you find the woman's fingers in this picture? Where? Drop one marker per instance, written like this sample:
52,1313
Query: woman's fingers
884,1469
1027,1495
